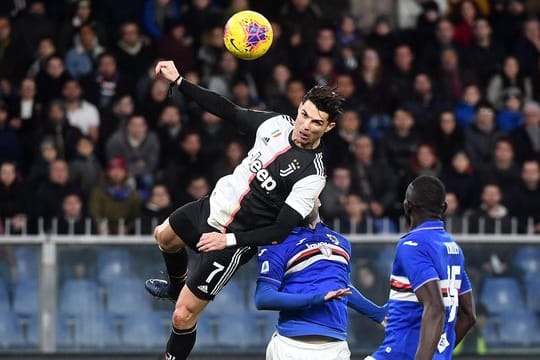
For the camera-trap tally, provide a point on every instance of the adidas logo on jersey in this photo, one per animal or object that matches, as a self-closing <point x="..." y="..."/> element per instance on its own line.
<point x="203" y="288"/>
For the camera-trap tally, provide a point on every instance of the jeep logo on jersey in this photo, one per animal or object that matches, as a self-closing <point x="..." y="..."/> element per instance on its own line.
<point x="256" y="167"/>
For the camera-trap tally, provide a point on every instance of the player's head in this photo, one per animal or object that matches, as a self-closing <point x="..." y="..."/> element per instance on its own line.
<point x="425" y="199"/>
<point x="317" y="114"/>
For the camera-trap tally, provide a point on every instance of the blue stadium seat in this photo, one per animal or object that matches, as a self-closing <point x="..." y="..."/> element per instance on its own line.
<point x="519" y="328"/>
<point x="26" y="298"/>
<point x="144" y="330"/>
<point x="4" y="298"/>
<point x="532" y="287"/>
<point x="125" y="296"/>
<point x="80" y="297"/>
<point x="490" y="331"/>
<point x="86" y="331"/>
<point x="10" y="331"/>
<point x="384" y="261"/>
<point x="527" y="259"/>
<point x="27" y="263"/>
<point x="31" y="331"/>
<point x="267" y="321"/>
<point x="113" y="264"/>
<point x="229" y="300"/>
<point x="206" y="332"/>
<point x="501" y="294"/>
<point x="240" y="330"/>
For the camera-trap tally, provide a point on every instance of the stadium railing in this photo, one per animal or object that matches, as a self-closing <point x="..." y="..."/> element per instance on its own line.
<point x="84" y="293"/>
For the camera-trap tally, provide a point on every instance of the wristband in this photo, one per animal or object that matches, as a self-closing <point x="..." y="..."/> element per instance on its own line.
<point x="172" y="84"/>
<point x="230" y="240"/>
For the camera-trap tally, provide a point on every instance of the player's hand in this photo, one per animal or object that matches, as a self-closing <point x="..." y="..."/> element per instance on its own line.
<point x="337" y="294"/>
<point x="212" y="241"/>
<point x="384" y="322"/>
<point x="167" y="70"/>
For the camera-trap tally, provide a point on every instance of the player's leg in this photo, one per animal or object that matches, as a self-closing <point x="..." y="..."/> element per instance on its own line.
<point x="184" y="332"/>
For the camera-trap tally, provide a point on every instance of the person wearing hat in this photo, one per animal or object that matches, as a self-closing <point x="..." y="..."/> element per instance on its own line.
<point x="114" y="204"/>
<point x="510" y="116"/>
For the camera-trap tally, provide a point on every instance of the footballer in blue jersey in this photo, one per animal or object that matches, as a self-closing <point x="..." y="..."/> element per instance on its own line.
<point x="306" y="278"/>
<point x="430" y="307"/>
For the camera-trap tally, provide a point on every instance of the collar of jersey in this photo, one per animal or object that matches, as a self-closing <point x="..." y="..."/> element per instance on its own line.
<point x="427" y="225"/>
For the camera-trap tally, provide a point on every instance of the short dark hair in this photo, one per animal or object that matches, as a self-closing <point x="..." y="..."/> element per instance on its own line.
<point x="326" y="99"/>
<point x="428" y="194"/>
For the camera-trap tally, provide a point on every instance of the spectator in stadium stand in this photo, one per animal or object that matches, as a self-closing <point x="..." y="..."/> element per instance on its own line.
<point x="210" y="51"/>
<point x="170" y="128"/>
<point x="56" y="127"/>
<point x="202" y="15"/>
<point x="156" y="13"/>
<point x="481" y="136"/>
<point x="324" y="73"/>
<point x="425" y="103"/>
<point x="430" y="53"/>
<point x="276" y="85"/>
<point x="527" y="48"/>
<point x="46" y="201"/>
<point x="339" y="145"/>
<point x="187" y="162"/>
<point x="177" y="46"/>
<point x="197" y="187"/>
<point x="503" y="170"/>
<point x="424" y="162"/>
<point x="452" y="77"/>
<point x="462" y="179"/>
<point x="526" y="137"/>
<point x="492" y="216"/>
<point x="525" y="197"/>
<point x="115" y="199"/>
<point x="303" y="17"/>
<point x="485" y="56"/>
<point x="426" y="25"/>
<point x="11" y="147"/>
<point x="81" y="16"/>
<point x="133" y="51"/>
<point x="215" y="134"/>
<point x="465" y="109"/>
<point x="242" y="96"/>
<point x="463" y="23"/>
<point x="13" y="206"/>
<point x="510" y="76"/>
<point x="85" y="170"/>
<point x="357" y="219"/>
<point x="510" y="116"/>
<point x="345" y="84"/>
<point x="33" y="25"/>
<point x="14" y="58"/>
<point x="453" y="216"/>
<point x="123" y="108"/>
<point x="156" y="209"/>
<point x="225" y="164"/>
<point x="382" y="38"/>
<point x="25" y="108"/>
<point x="39" y="168"/>
<point x="45" y="48"/>
<point x="288" y="104"/>
<point x="402" y="73"/>
<point x="348" y="34"/>
<point x="50" y="80"/>
<point x="335" y="192"/>
<point x="72" y="219"/>
<point x="140" y="149"/>
<point x="79" y="112"/>
<point x="102" y="86"/>
<point x="155" y="102"/>
<point x="447" y="137"/>
<point x="400" y="141"/>
<point x="373" y="180"/>
<point x="81" y="57"/>
<point x="228" y="69"/>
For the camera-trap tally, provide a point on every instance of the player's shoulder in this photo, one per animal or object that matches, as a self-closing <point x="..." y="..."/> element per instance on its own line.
<point x="277" y="121"/>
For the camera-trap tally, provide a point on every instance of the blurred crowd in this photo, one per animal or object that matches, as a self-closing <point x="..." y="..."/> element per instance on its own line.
<point x="91" y="140"/>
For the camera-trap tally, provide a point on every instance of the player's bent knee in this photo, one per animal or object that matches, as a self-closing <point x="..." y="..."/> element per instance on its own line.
<point x="183" y="318"/>
<point x="167" y="238"/>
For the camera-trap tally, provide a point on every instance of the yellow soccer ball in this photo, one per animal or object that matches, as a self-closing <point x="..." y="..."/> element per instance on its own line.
<point x="248" y="35"/>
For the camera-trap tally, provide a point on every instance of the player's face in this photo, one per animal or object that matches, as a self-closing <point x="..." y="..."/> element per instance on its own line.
<point x="310" y="125"/>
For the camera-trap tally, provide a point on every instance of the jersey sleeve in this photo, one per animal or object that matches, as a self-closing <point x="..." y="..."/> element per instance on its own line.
<point x="465" y="284"/>
<point x="271" y="264"/>
<point x="416" y="262"/>
<point x="304" y="193"/>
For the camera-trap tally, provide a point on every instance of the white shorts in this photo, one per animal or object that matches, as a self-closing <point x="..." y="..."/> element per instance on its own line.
<point x="284" y="348"/>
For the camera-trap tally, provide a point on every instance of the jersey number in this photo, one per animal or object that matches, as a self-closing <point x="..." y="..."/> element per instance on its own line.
<point x="219" y="268"/>
<point x="452" y="289"/>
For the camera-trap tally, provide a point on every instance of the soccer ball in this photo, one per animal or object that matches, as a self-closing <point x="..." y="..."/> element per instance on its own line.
<point x="248" y="35"/>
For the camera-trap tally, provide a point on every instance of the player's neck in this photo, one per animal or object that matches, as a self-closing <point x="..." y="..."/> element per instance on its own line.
<point x="308" y="146"/>
<point x="422" y="218"/>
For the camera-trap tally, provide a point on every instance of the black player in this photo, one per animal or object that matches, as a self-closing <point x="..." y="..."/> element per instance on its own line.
<point x="268" y="194"/>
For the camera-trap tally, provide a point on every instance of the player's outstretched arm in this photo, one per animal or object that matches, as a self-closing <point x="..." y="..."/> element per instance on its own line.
<point x="211" y="101"/>
<point x="466" y="317"/>
<point x="268" y="297"/>
<point x="433" y="316"/>
<point x="366" y="307"/>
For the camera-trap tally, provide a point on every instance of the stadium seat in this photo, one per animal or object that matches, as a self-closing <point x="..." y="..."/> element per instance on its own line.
<point x="26" y="298"/>
<point x="86" y="331"/>
<point x="144" y="330"/>
<point x="31" y="331"/>
<point x="80" y="297"/>
<point x="240" y="330"/>
<point x="501" y="294"/>
<point x="10" y="331"/>
<point x="124" y="295"/>
<point x="532" y="287"/>
<point x="229" y="300"/>
<point x="113" y="264"/>
<point x="527" y="260"/>
<point x="27" y="263"/>
<point x="4" y="298"/>
<point x="384" y="261"/>
<point x="267" y="321"/>
<point x="519" y="328"/>
<point x="206" y="332"/>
